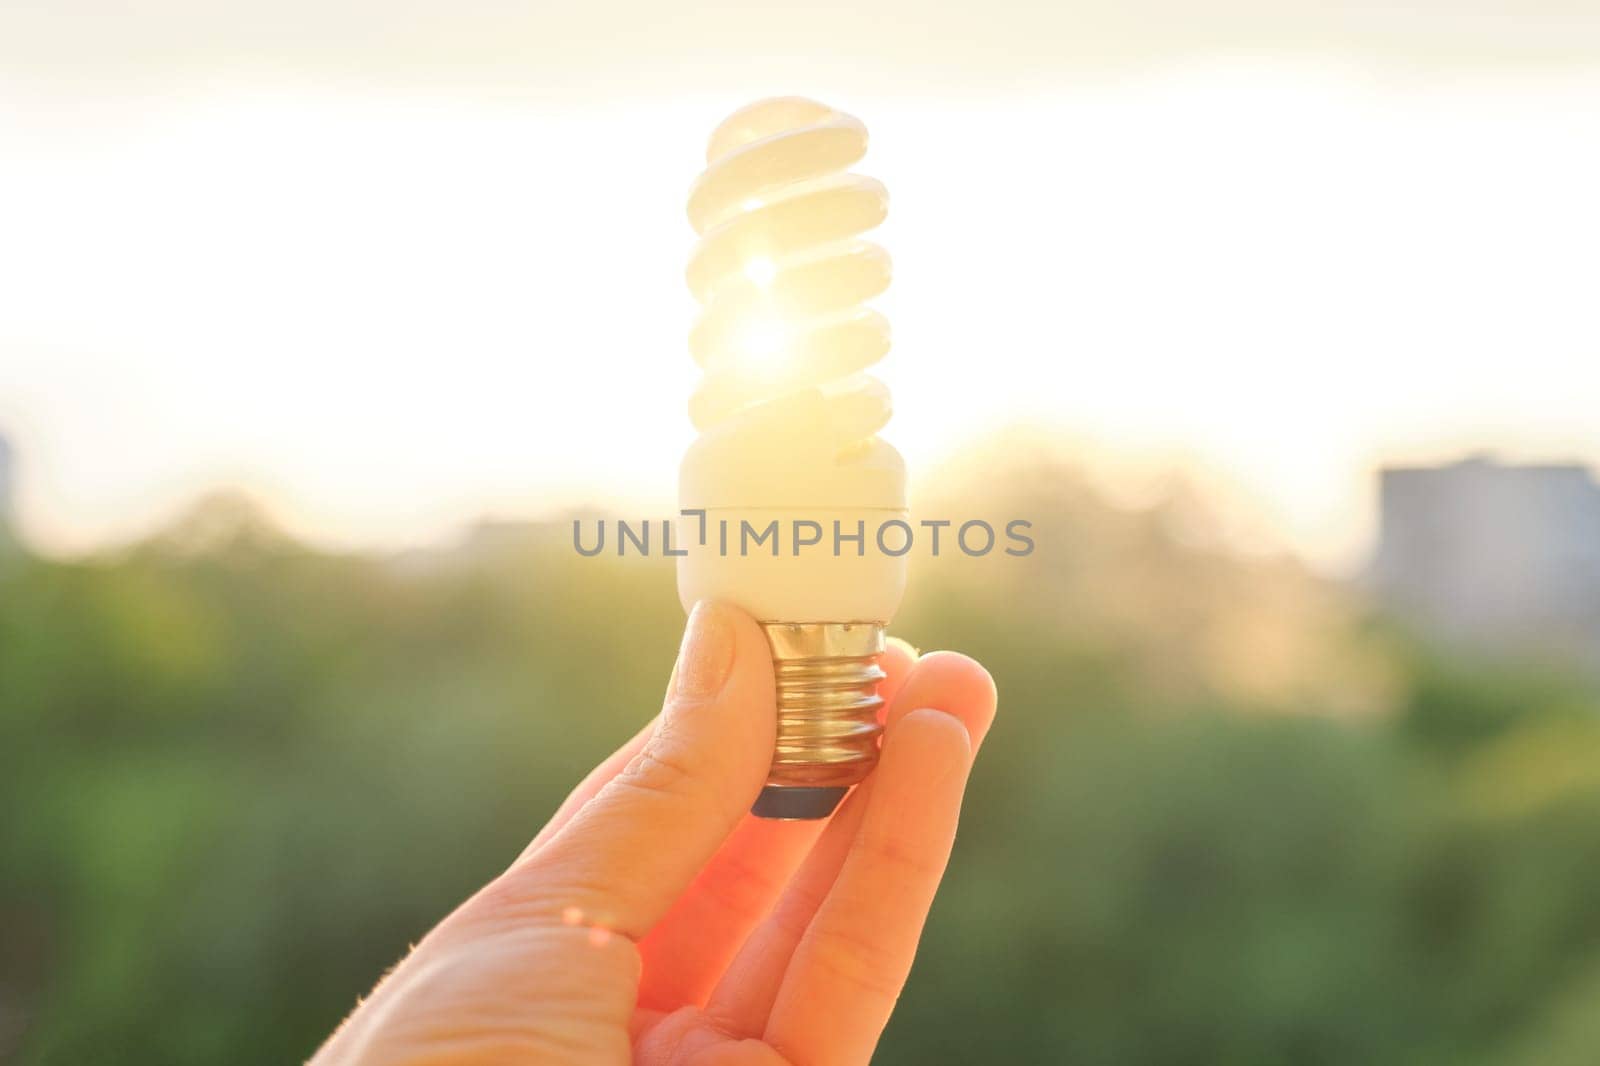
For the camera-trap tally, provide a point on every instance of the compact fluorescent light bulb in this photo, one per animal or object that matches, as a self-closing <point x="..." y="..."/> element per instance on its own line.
<point x="788" y="423"/>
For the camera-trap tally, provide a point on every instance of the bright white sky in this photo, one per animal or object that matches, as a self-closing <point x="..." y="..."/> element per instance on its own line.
<point x="392" y="312"/>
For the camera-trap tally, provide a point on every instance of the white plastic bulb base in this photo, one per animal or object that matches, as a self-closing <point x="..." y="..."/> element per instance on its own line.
<point x="824" y="616"/>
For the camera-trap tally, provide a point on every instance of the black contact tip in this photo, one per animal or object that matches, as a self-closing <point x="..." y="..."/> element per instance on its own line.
<point x="797" y="804"/>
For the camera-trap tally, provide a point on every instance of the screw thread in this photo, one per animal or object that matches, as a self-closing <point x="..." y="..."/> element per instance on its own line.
<point x="827" y="687"/>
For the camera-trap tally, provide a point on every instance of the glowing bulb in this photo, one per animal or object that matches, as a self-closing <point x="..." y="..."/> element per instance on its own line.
<point x="761" y="270"/>
<point x="762" y="346"/>
<point x="788" y="471"/>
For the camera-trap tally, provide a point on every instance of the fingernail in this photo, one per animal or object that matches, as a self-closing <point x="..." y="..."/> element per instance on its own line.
<point x="907" y="647"/>
<point x="707" y="652"/>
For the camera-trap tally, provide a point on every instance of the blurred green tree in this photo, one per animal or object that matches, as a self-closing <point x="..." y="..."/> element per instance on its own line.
<point x="1224" y="817"/>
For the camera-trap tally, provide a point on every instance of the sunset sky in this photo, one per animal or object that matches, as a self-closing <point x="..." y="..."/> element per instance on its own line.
<point x="398" y="267"/>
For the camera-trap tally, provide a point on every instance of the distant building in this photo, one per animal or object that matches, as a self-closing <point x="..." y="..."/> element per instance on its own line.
<point x="1499" y="555"/>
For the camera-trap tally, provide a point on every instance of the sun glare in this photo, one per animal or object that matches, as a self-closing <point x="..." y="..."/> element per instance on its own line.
<point x="121" y="411"/>
<point x="763" y="345"/>
<point x="761" y="270"/>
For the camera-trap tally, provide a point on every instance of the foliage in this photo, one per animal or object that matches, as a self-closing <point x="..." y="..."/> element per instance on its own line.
<point x="1221" y="819"/>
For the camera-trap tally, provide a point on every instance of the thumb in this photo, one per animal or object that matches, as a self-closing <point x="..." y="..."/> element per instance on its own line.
<point x="632" y="849"/>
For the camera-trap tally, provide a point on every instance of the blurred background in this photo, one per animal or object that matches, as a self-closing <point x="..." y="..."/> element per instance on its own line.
<point x="320" y="321"/>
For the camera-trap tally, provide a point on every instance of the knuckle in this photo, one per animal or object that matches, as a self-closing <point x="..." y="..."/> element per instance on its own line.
<point x="660" y="768"/>
<point x="664" y="769"/>
<point x="513" y="899"/>
<point x="855" y="956"/>
<point x="912" y="865"/>
<point x="742" y="888"/>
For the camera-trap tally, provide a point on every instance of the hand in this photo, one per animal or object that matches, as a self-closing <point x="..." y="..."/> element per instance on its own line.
<point x="655" y="921"/>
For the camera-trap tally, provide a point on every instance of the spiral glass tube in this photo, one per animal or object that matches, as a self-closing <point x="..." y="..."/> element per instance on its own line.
<point x="788" y="421"/>
<point x="781" y="272"/>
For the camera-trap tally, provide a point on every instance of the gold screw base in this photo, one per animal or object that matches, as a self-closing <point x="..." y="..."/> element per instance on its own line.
<point x="827" y="678"/>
